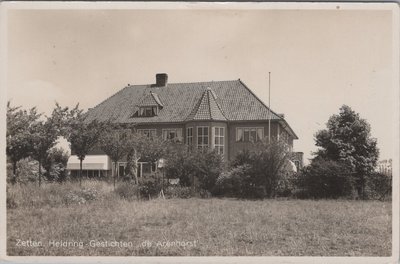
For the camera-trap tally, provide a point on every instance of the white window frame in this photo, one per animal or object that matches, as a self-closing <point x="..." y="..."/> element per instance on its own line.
<point x="189" y="138"/>
<point x="249" y="129"/>
<point x="150" y="132"/>
<point x="153" y="111"/>
<point x="203" y="136"/>
<point x="178" y="133"/>
<point x="220" y="146"/>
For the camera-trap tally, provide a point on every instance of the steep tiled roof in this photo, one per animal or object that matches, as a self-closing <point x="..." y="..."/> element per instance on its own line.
<point x="207" y="108"/>
<point x="216" y="100"/>
<point x="150" y="99"/>
<point x="236" y="101"/>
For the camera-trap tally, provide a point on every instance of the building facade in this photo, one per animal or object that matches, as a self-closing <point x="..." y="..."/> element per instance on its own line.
<point x="222" y="115"/>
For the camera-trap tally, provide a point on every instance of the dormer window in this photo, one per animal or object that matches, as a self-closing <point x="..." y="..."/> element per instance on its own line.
<point x="149" y="106"/>
<point x="148" y="111"/>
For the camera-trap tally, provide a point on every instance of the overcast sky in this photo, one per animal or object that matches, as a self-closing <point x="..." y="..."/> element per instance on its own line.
<point x="319" y="59"/>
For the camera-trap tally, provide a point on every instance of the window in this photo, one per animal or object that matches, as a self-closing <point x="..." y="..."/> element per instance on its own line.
<point x="172" y="134"/>
<point x="219" y="139"/>
<point x="249" y="134"/>
<point x="189" y="136"/>
<point x="148" y="111"/>
<point x="121" y="167"/>
<point x="152" y="133"/>
<point x="202" y="137"/>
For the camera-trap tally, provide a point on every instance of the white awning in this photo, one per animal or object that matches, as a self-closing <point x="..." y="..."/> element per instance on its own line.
<point x="91" y="162"/>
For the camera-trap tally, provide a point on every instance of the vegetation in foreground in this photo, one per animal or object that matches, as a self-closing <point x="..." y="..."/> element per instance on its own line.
<point x="95" y="213"/>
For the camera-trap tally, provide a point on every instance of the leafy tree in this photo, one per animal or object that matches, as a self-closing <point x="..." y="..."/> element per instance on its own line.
<point x="55" y="164"/>
<point x="46" y="132"/>
<point x="18" y="134"/>
<point x="143" y="147"/>
<point x="191" y="165"/>
<point x="325" y="179"/>
<point x="83" y="137"/>
<point x="113" y="143"/>
<point x="268" y="163"/>
<point x="347" y="139"/>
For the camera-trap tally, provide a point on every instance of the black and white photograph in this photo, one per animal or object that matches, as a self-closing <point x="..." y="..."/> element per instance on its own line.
<point x="267" y="130"/>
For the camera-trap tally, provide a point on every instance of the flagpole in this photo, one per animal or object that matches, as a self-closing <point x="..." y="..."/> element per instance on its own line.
<point x="269" y="107"/>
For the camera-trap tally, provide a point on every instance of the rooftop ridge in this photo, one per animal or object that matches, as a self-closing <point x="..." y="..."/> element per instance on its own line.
<point x="149" y="85"/>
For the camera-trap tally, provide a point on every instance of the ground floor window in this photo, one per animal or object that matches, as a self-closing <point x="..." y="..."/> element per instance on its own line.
<point x="202" y="137"/>
<point x="219" y="139"/>
<point x="152" y="133"/>
<point x="189" y="136"/>
<point x="89" y="173"/>
<point x="249" y="134"/>
<point x="172" y="133"/>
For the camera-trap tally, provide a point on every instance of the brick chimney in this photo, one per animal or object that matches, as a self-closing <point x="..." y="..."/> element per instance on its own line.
<point x="161" y="79"/>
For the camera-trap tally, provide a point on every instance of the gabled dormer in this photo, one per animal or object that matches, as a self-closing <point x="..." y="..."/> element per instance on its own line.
<point x="149" y="106"/>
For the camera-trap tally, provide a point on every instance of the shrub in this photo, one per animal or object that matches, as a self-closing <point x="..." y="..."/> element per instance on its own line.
<point x="267" y="168"/>
<point x="194" y="167"/>
<point x="325" y="179"/>
<point x="81" y="196"/>
<point x="178" y="192"/>
<point x="127" y="191"/>
<point x="150" y="186"/>
<point x="378" y="186"/>
<point x="239" y="182"/>
<point x="286" y="184"/>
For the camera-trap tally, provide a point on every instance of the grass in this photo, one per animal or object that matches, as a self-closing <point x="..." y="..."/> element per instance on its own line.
<point x="192" y="227"/>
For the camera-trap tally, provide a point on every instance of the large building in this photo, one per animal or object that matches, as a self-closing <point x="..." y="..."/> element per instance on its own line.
<point x="222" y="115"/>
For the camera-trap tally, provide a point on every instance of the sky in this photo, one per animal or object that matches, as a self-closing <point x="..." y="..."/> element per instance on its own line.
<point x="318" y="59"/>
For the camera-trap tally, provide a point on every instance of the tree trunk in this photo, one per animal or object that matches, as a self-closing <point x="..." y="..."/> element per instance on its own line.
<point x="40" y="172"/>
<point x="135" y="167"/>
<point x="80" y="172"/>
<point x="115" y="171"/>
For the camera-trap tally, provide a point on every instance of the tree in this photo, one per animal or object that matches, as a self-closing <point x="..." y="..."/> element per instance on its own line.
<point x="83" y="137"/>
<point x="347" y="139"/>
<point x="325" y="179"/>
<point x="113" y="143"/>
<point x="190" y="165"/>
<point x="46" y="132"/>
<point x="140" y="146"/>
<point x="268" y="163"/>
<point x="55" y="164"/>
<point x="18" y="134"/>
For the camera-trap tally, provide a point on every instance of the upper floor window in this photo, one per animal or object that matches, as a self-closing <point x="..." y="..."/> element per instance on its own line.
<point x="172" y="134"/>
<point x="249" y="134"/>
<point x="202" y="137"/>
<point x="219" y="139"/>
<point x="189" y="136"/>
<point x="148" y="111"/>
<point x="152" y="133"/>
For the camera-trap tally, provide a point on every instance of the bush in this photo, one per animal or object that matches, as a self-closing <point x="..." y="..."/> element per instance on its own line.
<point x="286" y="185"/>
<point x="150" y="186"/>
<point x="378" y="186"/>
<point x="81" y="196"/>
<point x="178" y="192"/>
<point x="239" y="182"/>
<point x="128" y="191"/>
<point x="325" y="179"/>
<point x="195" y="167"/>
<point x="266" y="171"/>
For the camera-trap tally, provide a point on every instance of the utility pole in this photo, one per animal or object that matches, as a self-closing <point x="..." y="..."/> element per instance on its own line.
<point x="269" y="107"/>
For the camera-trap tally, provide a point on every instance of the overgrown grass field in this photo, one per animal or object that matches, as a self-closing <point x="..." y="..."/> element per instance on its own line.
<point x="94" y="214"/>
